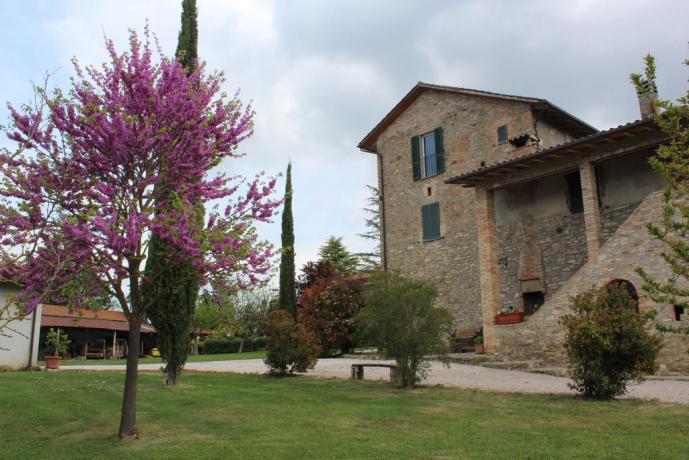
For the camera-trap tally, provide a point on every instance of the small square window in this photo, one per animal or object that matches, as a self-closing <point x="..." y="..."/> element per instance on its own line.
<point x="502" y="134"/>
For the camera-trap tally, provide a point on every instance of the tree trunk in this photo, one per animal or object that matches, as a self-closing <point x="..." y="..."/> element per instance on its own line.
<point x="128" y="418"/>
<point x="195" y="352"/>
<point x="172" y="375"/>
<point x="241" y="345"/>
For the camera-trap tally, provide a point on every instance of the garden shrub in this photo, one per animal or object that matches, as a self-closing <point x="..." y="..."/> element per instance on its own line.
<point x="218" y="345"/>
<point x="291" y="347"/>
<point x="327" y="308"/>
<point x="311" y="271"/>
<point x="259" y="343"/>
<point x="607" y="342"/>
<point x="401" y="320"/>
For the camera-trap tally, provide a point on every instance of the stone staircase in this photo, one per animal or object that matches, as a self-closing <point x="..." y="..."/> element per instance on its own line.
<point x="536" y="344"/>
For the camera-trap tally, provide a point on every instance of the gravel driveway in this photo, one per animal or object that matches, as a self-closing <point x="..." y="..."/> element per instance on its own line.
<point x="457" y="375"/>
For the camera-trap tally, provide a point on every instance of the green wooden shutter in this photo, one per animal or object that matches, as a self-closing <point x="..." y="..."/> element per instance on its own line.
<point x="430" y="221"/>
<point x="435" y="220"/>
<point x="425" y="225"/>
<point x="439" y="151"/>
<point x="415" y="158"/>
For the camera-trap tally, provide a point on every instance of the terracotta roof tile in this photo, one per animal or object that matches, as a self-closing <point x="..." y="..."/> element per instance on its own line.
<point x="583" y="140"/>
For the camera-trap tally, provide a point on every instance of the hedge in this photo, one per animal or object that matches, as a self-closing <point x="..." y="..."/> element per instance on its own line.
<point x="216" y="346"/>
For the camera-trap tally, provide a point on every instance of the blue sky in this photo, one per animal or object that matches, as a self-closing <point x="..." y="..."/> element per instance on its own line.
<point x="321" y="74"/>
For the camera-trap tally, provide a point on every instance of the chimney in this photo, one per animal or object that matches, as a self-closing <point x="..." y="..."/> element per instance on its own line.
<point x="647" y="93"/>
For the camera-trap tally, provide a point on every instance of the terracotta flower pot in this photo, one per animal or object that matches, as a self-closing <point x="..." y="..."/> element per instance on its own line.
<point x="510" y="318"/>
<point x="52" y="362"/>
<point x="478" y="349"/>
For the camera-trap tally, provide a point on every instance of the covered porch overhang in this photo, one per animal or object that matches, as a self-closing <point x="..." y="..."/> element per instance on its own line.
<point x="622" y="140"/>
<point x="580" y="155"/>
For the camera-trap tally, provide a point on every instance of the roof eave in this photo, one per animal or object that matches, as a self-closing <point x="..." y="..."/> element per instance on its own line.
<point x="367" y="144"/>
<point x="474" y="178"/>
<point x="571" y="119"/>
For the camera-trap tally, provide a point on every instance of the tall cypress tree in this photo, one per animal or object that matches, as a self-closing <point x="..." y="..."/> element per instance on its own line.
<point x="172" y="287"/>
<point x="288" y="291"/>
<point x="187" y="41"/>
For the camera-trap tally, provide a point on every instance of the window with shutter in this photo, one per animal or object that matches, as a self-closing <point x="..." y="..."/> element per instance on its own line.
<point x="439" y="151"/>
<point x="430" y="221"/>
<point x="415" y="158"/>
<point x="428" y="154"/>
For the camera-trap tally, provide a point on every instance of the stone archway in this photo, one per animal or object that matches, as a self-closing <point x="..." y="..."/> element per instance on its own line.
<point x="627" y="286"/>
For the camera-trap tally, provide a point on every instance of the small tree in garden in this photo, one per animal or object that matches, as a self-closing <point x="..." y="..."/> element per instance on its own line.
<point x="671" y="162"/>
<point x="607" y="342"/>
<point x="291" y="347"/>
<point x="327" y="308"/>
<point x="401" y="320"/>
<point x="335" y="252"/>
<point x="56" y="342"/>
<point x="252" y="307"/>
<point x="370" y="261"/>
<point x="312" y="271"/>
<point x="80" y="194"/>
<point x="215" y="312"/>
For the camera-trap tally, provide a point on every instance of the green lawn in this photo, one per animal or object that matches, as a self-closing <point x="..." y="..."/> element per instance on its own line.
<point x="191" y="359"/>
<point x="75" y="415"/>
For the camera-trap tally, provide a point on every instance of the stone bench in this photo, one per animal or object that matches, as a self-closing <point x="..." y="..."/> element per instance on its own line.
<point x="358" y="370"/>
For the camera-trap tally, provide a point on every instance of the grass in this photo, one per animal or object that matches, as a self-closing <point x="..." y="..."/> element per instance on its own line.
<point x="190" y="359"/>
<point x="76" y="414"/>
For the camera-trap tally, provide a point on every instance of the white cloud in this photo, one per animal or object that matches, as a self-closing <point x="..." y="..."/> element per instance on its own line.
<point x="322" y="74"/>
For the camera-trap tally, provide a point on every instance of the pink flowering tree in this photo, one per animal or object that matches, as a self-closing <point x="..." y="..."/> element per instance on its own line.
<point x="79" y="193"/>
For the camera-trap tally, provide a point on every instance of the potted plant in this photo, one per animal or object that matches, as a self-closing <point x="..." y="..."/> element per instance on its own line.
<point x="478" y="345"/>
<point x="56" y="342"/>
<point x="509" y="315"/>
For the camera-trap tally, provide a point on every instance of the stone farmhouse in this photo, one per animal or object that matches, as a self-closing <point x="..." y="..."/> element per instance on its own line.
<point x="511" y="204"/>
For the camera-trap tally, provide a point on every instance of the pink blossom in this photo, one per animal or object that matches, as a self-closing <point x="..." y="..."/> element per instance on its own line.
<point x="87" y="185"/>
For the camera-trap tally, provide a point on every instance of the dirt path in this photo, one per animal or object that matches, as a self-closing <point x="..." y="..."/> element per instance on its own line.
<point x="457" y="375"/>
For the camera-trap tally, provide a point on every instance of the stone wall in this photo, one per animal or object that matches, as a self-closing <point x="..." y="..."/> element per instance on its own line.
<point x="470" y="136"/>
<point x="612" y="219"/>
<point x="673" y="356"/>
<point x="561" y="241"/>
<point x="535" y="225"/>
<point x="541" y="337"/>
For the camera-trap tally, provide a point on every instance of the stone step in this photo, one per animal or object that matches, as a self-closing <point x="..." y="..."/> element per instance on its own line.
<point x="679" y="377"/>
<point x="554" y="371"/>
<point x="471" y="358"/>
<point x="509" y="365"/>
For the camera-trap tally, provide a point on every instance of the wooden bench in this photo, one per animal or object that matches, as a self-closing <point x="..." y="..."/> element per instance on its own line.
<point x="358" y="370"/>
<point x="463" y="340"/>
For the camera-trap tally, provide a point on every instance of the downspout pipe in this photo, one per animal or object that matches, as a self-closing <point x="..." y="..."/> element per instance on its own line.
<point x="381" y="199"/>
